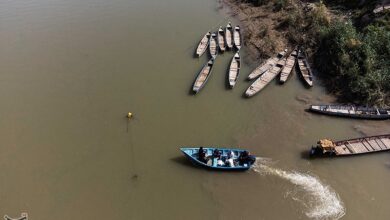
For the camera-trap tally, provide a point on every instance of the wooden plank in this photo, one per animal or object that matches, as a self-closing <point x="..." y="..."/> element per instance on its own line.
<point x="386" y="141"/>
<point x="350" y="148"/>
<point x="342" y="150"/>
<point x="373" y="143"/>
<point x="376" y="147"/>
<point x="367" y="148"/>
<point x="360" y="148"/>
<point x="381" y="144"/>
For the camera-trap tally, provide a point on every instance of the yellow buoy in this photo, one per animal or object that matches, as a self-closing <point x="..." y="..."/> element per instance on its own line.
<point x="129" y="115"/>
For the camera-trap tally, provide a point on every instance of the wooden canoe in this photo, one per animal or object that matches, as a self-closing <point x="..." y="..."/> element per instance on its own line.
<point x="237" y="37"/>
<point x="288" y="67"/>
<point x="304" y="68"/>
<point x="192" y="155"/>
<point x="268" y="64"/>
<point x="213" y="46"/>
<point x="202" y="46"/>
<point x="203" y="75"/>
<point x="221" y="40"/>
<point x="234" y="69"/>
<point x="228" y="36"/>
<point x="351" y="111"/>
<point x="356" y="146"/>
<point x="264" y="79"/>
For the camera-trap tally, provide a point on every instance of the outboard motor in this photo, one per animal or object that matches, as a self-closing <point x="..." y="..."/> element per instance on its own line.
<point x="314" y="151"/>
<point x="251" y="159"/>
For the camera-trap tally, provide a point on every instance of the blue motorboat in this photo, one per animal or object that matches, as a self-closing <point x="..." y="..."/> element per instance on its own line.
<point x="227" y="159"/>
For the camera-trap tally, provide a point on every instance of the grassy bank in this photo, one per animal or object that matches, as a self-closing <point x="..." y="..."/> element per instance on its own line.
<point x="348" y="44"/>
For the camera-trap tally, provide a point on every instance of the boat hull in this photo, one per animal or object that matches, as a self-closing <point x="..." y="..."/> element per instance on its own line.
<point x="190" y="154"/>
<point x="356" y="116"/>
<point x="353" y="147"/>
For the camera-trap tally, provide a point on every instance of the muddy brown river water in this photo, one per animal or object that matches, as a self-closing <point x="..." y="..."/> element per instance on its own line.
<point x="71" y="70"/>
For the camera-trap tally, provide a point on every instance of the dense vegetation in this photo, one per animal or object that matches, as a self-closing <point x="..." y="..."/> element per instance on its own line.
<point x="350" y="46"/>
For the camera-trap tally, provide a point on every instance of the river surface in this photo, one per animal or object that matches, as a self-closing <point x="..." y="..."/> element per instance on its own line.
<point x="71" y="70"/>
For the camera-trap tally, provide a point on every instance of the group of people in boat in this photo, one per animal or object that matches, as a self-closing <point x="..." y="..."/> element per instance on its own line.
<point x="229" y="160"/>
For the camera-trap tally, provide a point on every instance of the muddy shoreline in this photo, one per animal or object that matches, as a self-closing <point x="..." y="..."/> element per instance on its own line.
<point x="263" y="34"/>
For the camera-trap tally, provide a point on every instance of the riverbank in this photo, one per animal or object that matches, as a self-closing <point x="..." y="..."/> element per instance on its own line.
<point x="348" y="42"/>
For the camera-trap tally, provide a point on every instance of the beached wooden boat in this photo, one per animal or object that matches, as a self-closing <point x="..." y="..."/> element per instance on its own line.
<point x="203" y="75"/>
<point x="221" y="40"/>
<point x="228" y="36"/>
<point x="264" y="79"/>
<point x="268" y="64"/>
<point x="237" y="37"/>
<point x="371" y="144"/>
<point x="352" y="111"/>
<point x="214" y="163"/>
<point x="213" y="46"/>
<point x="288" y="67"/>
<point x="202" y="46"/>
<point x="234" y="69"/>
<point x="304" y="68"/>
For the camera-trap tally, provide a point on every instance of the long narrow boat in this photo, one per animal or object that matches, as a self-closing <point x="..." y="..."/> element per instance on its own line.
<point x="203" y="75"/>
<point x="234" y="69"/>
<point x="356" y="146"/>
<point x="202" y="46"/>
<point x="228" y="36"/>
<point x="351" y="111"/>
<point x="212" y="163"/>
<point x="304" y="68"/>
<point x="213" y="46"/>
<point x="221" y="40"/>
<point x="287" y="69"/>
<point x="264" y="79"/>
<point x="268" y="64"/>
<point x="237" y="37"/>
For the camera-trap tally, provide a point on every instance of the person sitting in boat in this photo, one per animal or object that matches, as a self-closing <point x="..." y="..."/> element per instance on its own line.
<point x="217" y="158"/>
<point x="230" y="159"/>
<point x="245" y="158"/>
<point x="202" y="155"/>
<point x="217" y="154"/>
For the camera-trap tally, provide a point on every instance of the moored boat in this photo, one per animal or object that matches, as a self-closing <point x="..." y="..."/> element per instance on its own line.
<point x="352" y="111"/>
<point x="288" y="67"/>
<point x="213" y="46"/>
<point x="304" y="68"/>
<point x="202" y="46"/>
<point x="234" y="69"/>
<point x="268" y="64"/>
<point x="203" y="76"/>
<point x="237" y="37"/>
<point x="371" y="144"/>
<point x="264" y="79"/>
<point x="221" y="158"/>
<point x="221" y="40"/>
<point x="228" y="36"/>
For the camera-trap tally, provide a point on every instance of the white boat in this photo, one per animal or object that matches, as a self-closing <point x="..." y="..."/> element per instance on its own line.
<point x="288" y="67"/>
<point x="234" y="69"/>
<point x="264" y="79"/>
<point x="228" y="36"/>
<point x="268" y="64"/>
<point x="203" y="76"/>
<point x="304" y="68"/>
<point x="202" y="46"/>
<point x="237" y="37"/>
<point x="221" y="40"/>
<point x="213" y="46"/>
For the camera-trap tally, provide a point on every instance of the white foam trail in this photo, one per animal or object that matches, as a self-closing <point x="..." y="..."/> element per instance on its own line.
<point x="320" y="200"/>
